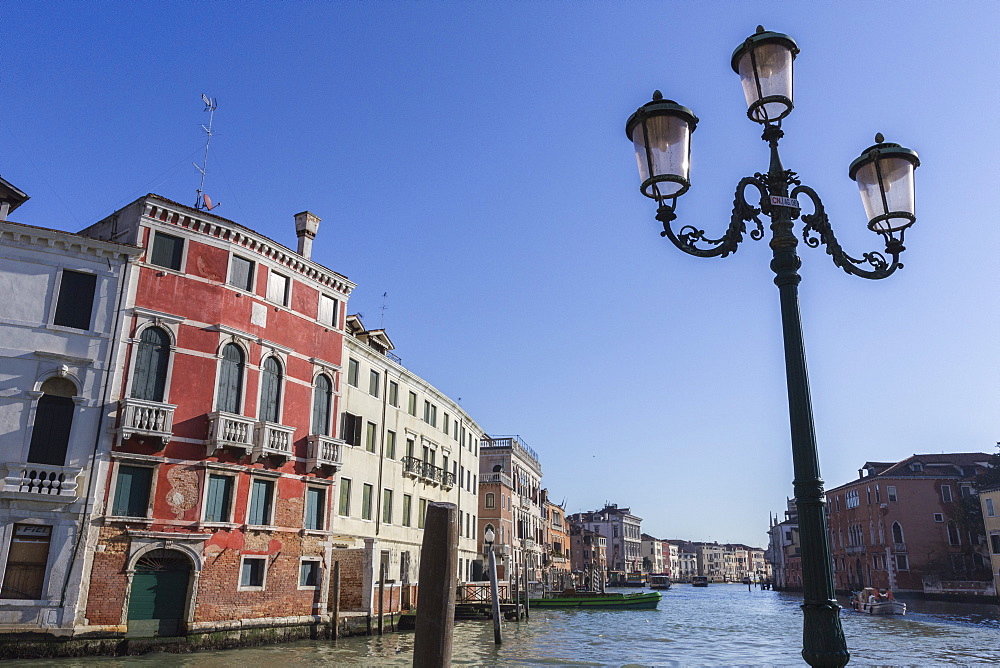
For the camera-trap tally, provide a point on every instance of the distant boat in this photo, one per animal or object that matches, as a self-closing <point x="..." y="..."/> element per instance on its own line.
<point x="871" y="602"/>
<point x="699" y="581"/>
<point x="659" y="582"/>
<point x="596" y="600"/>
<point x="747" y="580"/>
<point x="635" y="580"/>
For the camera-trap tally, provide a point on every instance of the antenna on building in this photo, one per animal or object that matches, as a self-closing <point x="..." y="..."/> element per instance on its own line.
<point x="381" y="324"/>
<point x="203" y="201"/>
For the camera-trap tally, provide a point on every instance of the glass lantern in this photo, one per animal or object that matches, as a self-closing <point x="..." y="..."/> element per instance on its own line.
<point x="764" y="63"/>
<point x="661" y="131"/>
<point x="884" y="174"/>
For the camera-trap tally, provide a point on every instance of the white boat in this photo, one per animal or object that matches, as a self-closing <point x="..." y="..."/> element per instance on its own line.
<point x="872" y="602"/>
<point x="659" y="582"/>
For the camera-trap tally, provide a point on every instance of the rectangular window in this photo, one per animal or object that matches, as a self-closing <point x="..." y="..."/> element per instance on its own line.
<point x="421" y="513"/>
<point x="995" y="543"/>
<point x="387" y="506"/>
<point x="446" y="423"/>
<point x="965" y="491"/>
<point x="946" y="493"/>
<point x="132" y="491"/>
<point x="890" y="493"/>
<point x="434" y="415"/>
<point x="277" y="288"/>
<point x="409" y="447"/>
<point x="938" y="517"/>
<point x="351" y="429"/>
<point x="390" y="444"/>
<point x="345" y="497"/>
<point x="878" y="495"/>
<point x="241" y="273"/>
<point x="366" y="501"/>
<point x="27" y="559"/>
<point x="490" y="500"/>
<point x="327" y="311"/>
<point x="411" y="406"/>
<point x="427" y="411"/>
<point x="309" y="573"/>
<point x="373" y="381"/>
<point x="261" y="493"/>
<point x="353" y="371"/>
<point x="76" y="300"/>
<point x="167" y="250"/>
<point x="407" y="502"/>
<point x="901" y="563"/>
<point x="394" y="393"/>
<point x="853" y="498"/>
<point x="252" y="571"/>
<point x="989" y="508"/>
<point x="219" y="497"/>
<point x="315" y="509"/>
<point x="370" y="436"/>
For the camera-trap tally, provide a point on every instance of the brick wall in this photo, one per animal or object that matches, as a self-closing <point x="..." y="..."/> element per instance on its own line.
<point x="352" y="563"/>
<point x="108" y="581"/>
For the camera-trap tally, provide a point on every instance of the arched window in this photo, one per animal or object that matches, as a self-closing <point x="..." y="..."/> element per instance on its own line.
<point x="231" y="379"/>
<point x="953" y="536"/>
<point x="152" y="355"/>
<point x="270" y="389"/>
<point x="490" y="500"/>
<point x="897" y="533"/>
<point x="322" y="399"/>
<point x="53" y="421"/>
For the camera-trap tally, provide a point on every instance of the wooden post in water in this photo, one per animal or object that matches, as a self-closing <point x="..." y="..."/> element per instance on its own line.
<point x="495" y="591"/>
<point x="381" y="595"/>
<point x="336" y="600"/>
<point x="517" y="592"/>
<point x="434" y="632"/>
<point x="526" y="594"/>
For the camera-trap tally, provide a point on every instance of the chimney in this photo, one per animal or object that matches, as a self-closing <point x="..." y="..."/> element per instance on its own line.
<point x="306" y="226"/>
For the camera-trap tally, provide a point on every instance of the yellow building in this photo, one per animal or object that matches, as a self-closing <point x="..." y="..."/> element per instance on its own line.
<point x="990" y="500"/>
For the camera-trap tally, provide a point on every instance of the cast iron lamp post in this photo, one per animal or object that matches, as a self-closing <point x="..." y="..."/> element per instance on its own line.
<point x="661" y="132"/>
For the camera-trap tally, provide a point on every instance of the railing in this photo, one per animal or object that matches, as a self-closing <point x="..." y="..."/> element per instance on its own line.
<point x="447" y="479"/>
<point x="146" y="418"/>
<point x="323" y="451"/>
<point x="529" y="544"/>
<point x="899" y="547"/>
<point x="512" y="442"/>
<point x="482" y="593"/>
<point x="495" y="478"/>
<point x="273" y="439"/>
<point x="41" y="482"/>
<point x="227" y="430"/>
<point x="431" y="473"/>
<point x="413" y="466"/>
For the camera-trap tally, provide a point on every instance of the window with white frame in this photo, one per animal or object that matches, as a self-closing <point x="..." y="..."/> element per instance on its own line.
<point x="946" y="493"/>
<point x="261" y="502"/>
<point x="75" y="303"/>
<point x="367" y="491"/>
<point x="53" y="422"/>
<point x="309" y="573"/>
<point x="315" y="518"/>
<point x="390" y="444"/>
<point x="219" y="497"/>
<point x="353" y="371"/>
<point x="270" y="390"/>
<point x="938" y="517"/>
<point x="327" y="310"/>
<point x="133" y="485"/>
<point x="241" y="273"/>
<point x="373" y="382"/>
<point x="152" y="357"/>
<point x="253" y="572"/>
<point x="167" y="251"/>
<point x="890" y="493"/>
<point x="231" y="370"/>
<point x="387" y="506"/>
<point x="322" y="403"/>
<point x="27" y="560"/>
<point x="277" y="288"/>
<point x="989" y="507"/>
<point x="852" y="498"/>
<point x="394" y="394"/>
<point x="407" y="509"/>
<point x="345" y="497"/>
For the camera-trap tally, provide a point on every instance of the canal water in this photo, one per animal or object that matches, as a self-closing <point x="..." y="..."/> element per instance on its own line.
<point x="717" y="625"/>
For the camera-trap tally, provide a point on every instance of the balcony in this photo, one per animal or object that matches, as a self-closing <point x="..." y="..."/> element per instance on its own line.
<point x="899" y="547"/>
<point x="412" y="466"/>
<point x="495" y="478"/>
<point x="40" y="482"/>
<point x="146" y="418"/>
<point x="272" y="440"/>
<point x="431" y="473"/>
<point x="226" y="430"/>
<point x="324" y="451"/>
<point x="447" y="479"/>
<point x="855" y="549"/>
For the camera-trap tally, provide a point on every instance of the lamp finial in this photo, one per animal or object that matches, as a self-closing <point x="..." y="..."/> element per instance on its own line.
<point x="879" y="138"/>
<point x="657" y="96"/>
<point x="760" y="29"/>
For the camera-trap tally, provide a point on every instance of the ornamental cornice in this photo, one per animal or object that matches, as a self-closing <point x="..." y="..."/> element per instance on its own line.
<point x="28" y="235"/>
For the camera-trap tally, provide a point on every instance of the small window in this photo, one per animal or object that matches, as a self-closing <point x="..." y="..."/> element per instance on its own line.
<point x="218" y="498"/>
<point x="427" y="411"/>
<point x="351" y="429"/>
<point x="394" y="393"/>
<point x="995" y="543"/>
<point x="890" y="492"/>
<point x="371" y="436"/>
<point x="366" y="501"/>
<point x="946" y="493"/>
<point x="373" y="382"/>
<point x="277" y="288"/>
<point x="309" y="573"/>
<point x="27" y="560"/>
<point x="421" y="513"/>
<point x="261" y="500"/>
<point x="167" y="251"/>
<point x="916" y="466"/>
<point x="132" y="487"/>
<point x="315" y="509"/>
<point x="322" y="400"/>
<point x="490" y="500"/>
<point x="352" y="372"/>
<point x="409" y="447"/>
<point x="76" y="300"/>
<point x="434" y="415"/>
<point x="252" y="572"/>
<point x="231" y="379"/>
<point x="387" y="506"/>
<point x="390" y="445"/>
<point x="966" y="491"/>
<point x="446" y="423"/>
<point x="407" y="503"/>
<point x="989" y="508"/>
<point x="954" y="537"/>
<point x="345" y="497"/>
<point x="241" y="273"/>
<point x="938" y="517"/>
<point x="411" y="406"/>
<point x="327" y="310"/>
<point x="53" y="422"/>
<point x="270" y="390"/>
<point x="149" y="378"/>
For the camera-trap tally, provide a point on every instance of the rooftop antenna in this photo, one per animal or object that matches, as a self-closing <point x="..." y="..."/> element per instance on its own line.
<point x="203" y="201"/>
<point x="384" y="307"/>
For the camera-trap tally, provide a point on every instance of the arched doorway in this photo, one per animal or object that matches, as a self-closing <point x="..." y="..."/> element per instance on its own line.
<point x="159" y="594"/>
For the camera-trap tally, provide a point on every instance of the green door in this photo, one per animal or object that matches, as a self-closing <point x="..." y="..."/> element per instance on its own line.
<point x="159" y="594"/>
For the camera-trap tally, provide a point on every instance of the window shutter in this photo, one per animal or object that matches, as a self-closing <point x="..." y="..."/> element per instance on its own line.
<point x="314" y="508"/>
<point x="150" y="377"/>
<point x="220" y="489"/>
<point x="231" y="379"/>
<point x="50" y="435"/>
<point x="132" y="492"/>
<point x="76" y="300"/>
<point x="270" y="389"/>
<point x="321" y="406"/>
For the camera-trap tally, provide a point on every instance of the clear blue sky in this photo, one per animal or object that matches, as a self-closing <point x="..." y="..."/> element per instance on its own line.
<point x="470" y="160"/>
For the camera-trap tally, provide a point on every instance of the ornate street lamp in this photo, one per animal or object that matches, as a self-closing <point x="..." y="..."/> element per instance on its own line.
<point x="661" y="132"/>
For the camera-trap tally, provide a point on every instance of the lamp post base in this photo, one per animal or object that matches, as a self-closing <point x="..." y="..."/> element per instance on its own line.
<point x="823" y="642"/>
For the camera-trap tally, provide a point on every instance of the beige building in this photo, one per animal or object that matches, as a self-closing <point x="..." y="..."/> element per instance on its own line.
<point x="652" y="555"/>
<point x="989" y="499"/>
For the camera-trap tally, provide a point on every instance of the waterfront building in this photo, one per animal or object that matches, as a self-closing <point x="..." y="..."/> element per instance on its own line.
<point x="906" y="526"/>
<point x="406" y="445"/>
<point x="652" y="555"/>
<point x="59" y="347"/>
<point x="558" y="559"/>
<point x="623" y="532"/>
<point x="989" y="499"/>
<point x="687" y="560"/>
<point x="589" y="556"/>
<point x="783" y="553"/>
<point x="711" y="561"/>
<point x="671" y="560"/>
<point x="511" y="502"/>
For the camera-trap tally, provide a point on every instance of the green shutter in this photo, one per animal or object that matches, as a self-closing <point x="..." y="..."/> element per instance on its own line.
<point x="231" y="379"/>
<point x="270" y="390"/>
<point x="150" y="376"/>
<point x="132" y="491"/>
<point x="217" y="501"/>
<point x="314" y="508"/>
<point x="260" y="502"/>
<point x="321" y="406"/>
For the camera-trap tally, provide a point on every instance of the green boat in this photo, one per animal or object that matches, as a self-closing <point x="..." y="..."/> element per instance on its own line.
<point x="597" y="600"/>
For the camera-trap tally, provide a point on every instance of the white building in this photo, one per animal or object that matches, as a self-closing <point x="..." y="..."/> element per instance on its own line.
<point x="652" y="555"/>
<point x="59" y="344"/>
<point x="407" y="445"/>
<point x="624" y="534"/>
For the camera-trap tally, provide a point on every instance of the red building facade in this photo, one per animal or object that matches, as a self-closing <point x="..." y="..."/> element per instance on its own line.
<point x="220" y="484"/>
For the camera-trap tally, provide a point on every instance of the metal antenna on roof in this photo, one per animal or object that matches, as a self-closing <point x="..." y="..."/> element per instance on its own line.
<point x="384" y="307"/>
<point x="203" y="201"/>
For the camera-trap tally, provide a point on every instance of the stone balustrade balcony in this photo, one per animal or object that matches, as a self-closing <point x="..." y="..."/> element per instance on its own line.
<point x="324" y="451"/>
<point x="899" y="547"/>
<point x="228" y="430"/>
<point x="40" y="482"/>
<point x="495" y="478"/>
<point x="146" y="418"/>
<point x="272" y="440"/>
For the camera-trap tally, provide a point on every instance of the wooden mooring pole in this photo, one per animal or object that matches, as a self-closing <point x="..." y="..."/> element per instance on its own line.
<point x="495" y="591"/>
<point x="526" y="617"/>
<point x="336" y="600"/>
<point x="434" y="631"/>
<point x="381" y="595"/>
